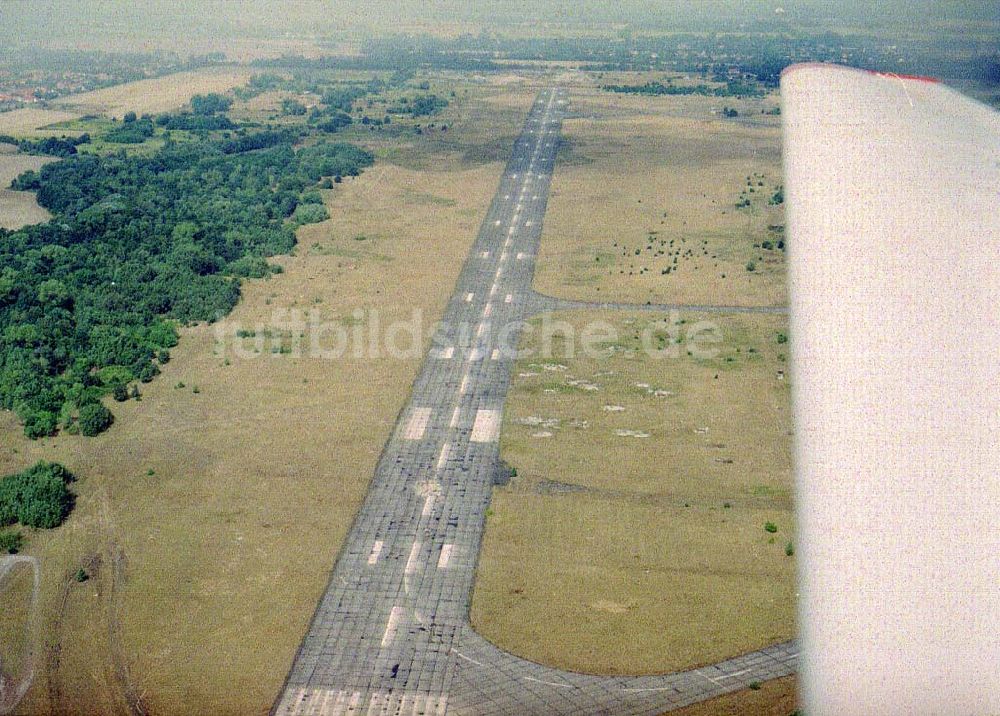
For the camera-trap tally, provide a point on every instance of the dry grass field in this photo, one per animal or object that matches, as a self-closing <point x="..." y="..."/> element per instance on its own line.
<point x="22" y="122"/>
<point x="644" y="196"/>
<point x="16" y="628"/>
<point x="774" y="698"/>
<point x="633" y="538"/>
<point x="18" y="208"/>
<point x="160" y="94"/>
<point x="210" y="514"/>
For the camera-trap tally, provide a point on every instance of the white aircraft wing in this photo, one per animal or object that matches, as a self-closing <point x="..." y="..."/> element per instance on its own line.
<point x="893" y="200"/>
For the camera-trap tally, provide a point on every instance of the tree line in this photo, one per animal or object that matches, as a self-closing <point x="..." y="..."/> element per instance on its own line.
<point x="89" y="301"/>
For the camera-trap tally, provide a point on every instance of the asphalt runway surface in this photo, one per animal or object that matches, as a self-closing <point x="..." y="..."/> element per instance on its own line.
<point x="392" y="634"/>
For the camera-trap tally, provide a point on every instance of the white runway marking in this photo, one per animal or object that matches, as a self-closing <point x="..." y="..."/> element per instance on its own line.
<point x="445" y="557"/>
<point x="446" y="353"/>
<point x="468" y="297"/>
<point x="392" y="627"/>
<point x="508" y="298"/>
<point x="520" y="256"/>
<point x="486" y="428"/>
<point x="498" y="222"/>
<point x="454" y="417"/>
<point x="527" y="223"/>
<point x="488" y="310"/>
<point x="445" y="451"/>
<point x="411" y="562"/>
<point x="465" y="384"/>
<point x="496" y="354"/>
<point x="486" y="254"/>
<point x="376" y="552"/>
<point x="418" y="423"/>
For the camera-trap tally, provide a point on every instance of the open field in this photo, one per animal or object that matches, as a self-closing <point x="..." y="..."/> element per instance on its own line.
<point x="210" y="514"/>
<point x="632" y="539"/>
<point x="22" y="122"/>
<point x="160" y="94"/>
<point x="644" y="198"/>
<point x="18" y="208"/>
<point x="16" y="628"/>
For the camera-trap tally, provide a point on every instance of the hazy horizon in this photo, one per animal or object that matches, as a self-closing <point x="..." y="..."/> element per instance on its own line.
<point x="189" y="26"/>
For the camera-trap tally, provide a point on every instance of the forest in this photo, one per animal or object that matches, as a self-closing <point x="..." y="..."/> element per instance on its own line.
<point x="89" y="302"/>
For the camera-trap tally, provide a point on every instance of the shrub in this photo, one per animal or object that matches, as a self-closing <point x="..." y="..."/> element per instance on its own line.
<point x="250" y="267"/>
<point x="40" y="424"/>
<point x="95" y="419"/>
<point x="770" y="527"/>
<point x="81" y="575"/>
<point x="36" y="497"/>
<point x="751" y="266"/>
<point x="147" y="372"/>
<point x="310" y="214"/>
<point x="789" y="549"/>
<point x="10" y="542"/>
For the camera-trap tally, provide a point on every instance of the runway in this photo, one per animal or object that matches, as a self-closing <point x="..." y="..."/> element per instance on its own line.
<point x="391" y="634"/>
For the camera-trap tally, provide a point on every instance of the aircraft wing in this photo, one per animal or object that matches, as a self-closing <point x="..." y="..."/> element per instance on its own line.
<point x="893" y="207"/>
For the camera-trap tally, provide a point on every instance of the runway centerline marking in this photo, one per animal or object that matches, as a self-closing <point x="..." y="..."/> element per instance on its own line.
<point x="392" y="626"/>
<point x="445" y="557"/>
<point x="411" y="562"/>
<point x="445" y="451"/>
<point x="376" y="552"/>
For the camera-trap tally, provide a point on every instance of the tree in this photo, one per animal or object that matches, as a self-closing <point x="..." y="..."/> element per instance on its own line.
<point x="95" y="419"/>
<point x="120" y="392"/>
<point x="138" y="243"/>
<point x="210" y="103"/>
<point x="36" y="497"/>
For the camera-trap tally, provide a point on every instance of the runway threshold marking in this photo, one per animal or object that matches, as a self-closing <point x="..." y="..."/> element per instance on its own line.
<point x="418" y="423"/>
<point x="376" y="552"/>
<point x="486" y="428"/>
